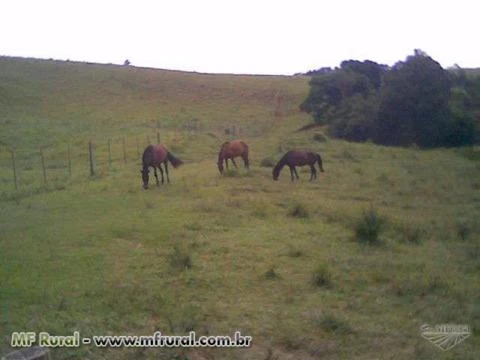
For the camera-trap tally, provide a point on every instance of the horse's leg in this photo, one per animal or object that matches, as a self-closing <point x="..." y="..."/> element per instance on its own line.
<point x="291" y="172"/>
<point x="161" y="172"/>
<point x="156" y="176"/>
<point x="226" y="163"/>
<point x="313" y="174"/>
<point x="234" y="163"/>
<point x="245" y="160"/>
<point x="295" y="171"/>
<point x="166" y="170"/>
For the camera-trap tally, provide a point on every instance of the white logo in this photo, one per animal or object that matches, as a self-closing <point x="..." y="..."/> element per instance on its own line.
<point x="445" y="336"/>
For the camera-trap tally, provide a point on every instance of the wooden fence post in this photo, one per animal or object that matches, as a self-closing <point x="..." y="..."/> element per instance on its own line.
<point x="14" y="170"/>
<point x="43" y="167"/>
<point x="91" y="158"/>
<point x="69" y="155"/>
<point x="124" y="151"/>
<point x="109" y="152"/>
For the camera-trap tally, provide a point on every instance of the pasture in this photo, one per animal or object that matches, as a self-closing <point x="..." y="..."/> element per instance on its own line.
<point x="213" y="253"/>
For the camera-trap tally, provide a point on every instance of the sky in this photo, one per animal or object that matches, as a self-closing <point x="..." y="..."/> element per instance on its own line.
<point x="242" y="37"/>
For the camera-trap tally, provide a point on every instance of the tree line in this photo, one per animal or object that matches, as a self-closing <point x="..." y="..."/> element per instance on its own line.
<point x="415" y="101"/>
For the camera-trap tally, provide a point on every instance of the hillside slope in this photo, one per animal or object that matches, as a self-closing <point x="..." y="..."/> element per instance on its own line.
<point x="279" y="261"/>
<point x="42" y="101"/>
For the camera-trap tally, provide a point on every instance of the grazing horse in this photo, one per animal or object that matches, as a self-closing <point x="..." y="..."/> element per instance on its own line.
<point x="231" y="150"/>
<point x="155" y="156"/>
<point x="298" y="158"/>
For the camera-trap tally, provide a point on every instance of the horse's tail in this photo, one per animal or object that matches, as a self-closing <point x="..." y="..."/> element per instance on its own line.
<point x="319" y="159"/>
<point x="176" y="162"/>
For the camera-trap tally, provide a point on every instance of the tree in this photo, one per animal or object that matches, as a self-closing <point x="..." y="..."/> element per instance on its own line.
<point x="355" y="119"/>
<point x="329" y="89"/>
<point x="465" y="108"/>
<point x="414" y="105"/>
<point x="414" y="102"/>
<point x="373" y="71"/>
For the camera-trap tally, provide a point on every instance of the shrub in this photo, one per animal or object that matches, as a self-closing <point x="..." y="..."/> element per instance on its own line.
<point x="368" y="227"/>
<point x="321" y="276"/>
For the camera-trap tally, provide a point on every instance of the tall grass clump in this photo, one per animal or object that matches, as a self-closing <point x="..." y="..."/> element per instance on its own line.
<point x="368" y="227"/>
<point x="413" y="235"/>
<point x="321" y="276"/>
<point x="299" y="210"/>
<point x="180" y="258"/>
<point x="463" y="229"/>
<point x="271" y="274"/>
<point x="332" y="324"/>
<point x="231" y="173"/>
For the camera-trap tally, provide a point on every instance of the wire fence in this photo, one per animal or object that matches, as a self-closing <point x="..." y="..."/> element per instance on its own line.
<point x="27" y="171"/>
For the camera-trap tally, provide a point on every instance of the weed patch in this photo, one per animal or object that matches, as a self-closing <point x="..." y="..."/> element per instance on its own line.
<point x="331" y="323"/>
<point x="321" y="276"/>
<point x="180" y="258"/>
<point x="299" y="210"/>
<point x="368" y="227"/>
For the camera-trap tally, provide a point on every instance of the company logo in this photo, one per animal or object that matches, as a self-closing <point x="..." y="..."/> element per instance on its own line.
<point x="445" y="336"/>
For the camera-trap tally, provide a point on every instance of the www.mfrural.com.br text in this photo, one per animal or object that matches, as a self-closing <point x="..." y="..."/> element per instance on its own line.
<point x="157" y="339"/>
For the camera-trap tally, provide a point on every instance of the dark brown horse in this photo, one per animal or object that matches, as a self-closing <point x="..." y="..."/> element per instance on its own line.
<point x="231" y="150"/>
<point x="155" y="156"/>
<point x="298" y="158"/>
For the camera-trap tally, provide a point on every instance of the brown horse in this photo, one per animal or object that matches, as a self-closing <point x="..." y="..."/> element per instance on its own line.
<point x="155" y="156"/>
<point x="298" y="158"/>
<point x="231" y="150"/>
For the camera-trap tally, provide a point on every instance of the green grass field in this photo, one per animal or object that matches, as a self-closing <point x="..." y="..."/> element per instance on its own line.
<point x="278" y="261"/>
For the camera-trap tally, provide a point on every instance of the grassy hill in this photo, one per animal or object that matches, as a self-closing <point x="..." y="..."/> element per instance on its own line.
<point x="280" y="262"/>
<point x="45" y="101"/>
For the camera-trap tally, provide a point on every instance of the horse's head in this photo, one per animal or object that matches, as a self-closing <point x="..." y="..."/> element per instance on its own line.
<point x="145" y="172"/>
<point x="220" y="166"/>
<point x="275" y="173"/>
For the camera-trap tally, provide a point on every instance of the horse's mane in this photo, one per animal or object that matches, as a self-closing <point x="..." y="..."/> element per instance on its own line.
<point x="147" y="153"/>
<point x="281" y="163"/>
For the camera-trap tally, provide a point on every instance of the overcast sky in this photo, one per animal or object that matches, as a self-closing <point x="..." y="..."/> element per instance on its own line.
<point x="247" y="36"/>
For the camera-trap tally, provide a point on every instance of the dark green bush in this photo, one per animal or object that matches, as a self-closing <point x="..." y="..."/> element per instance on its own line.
<point x="368" y="227"/>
